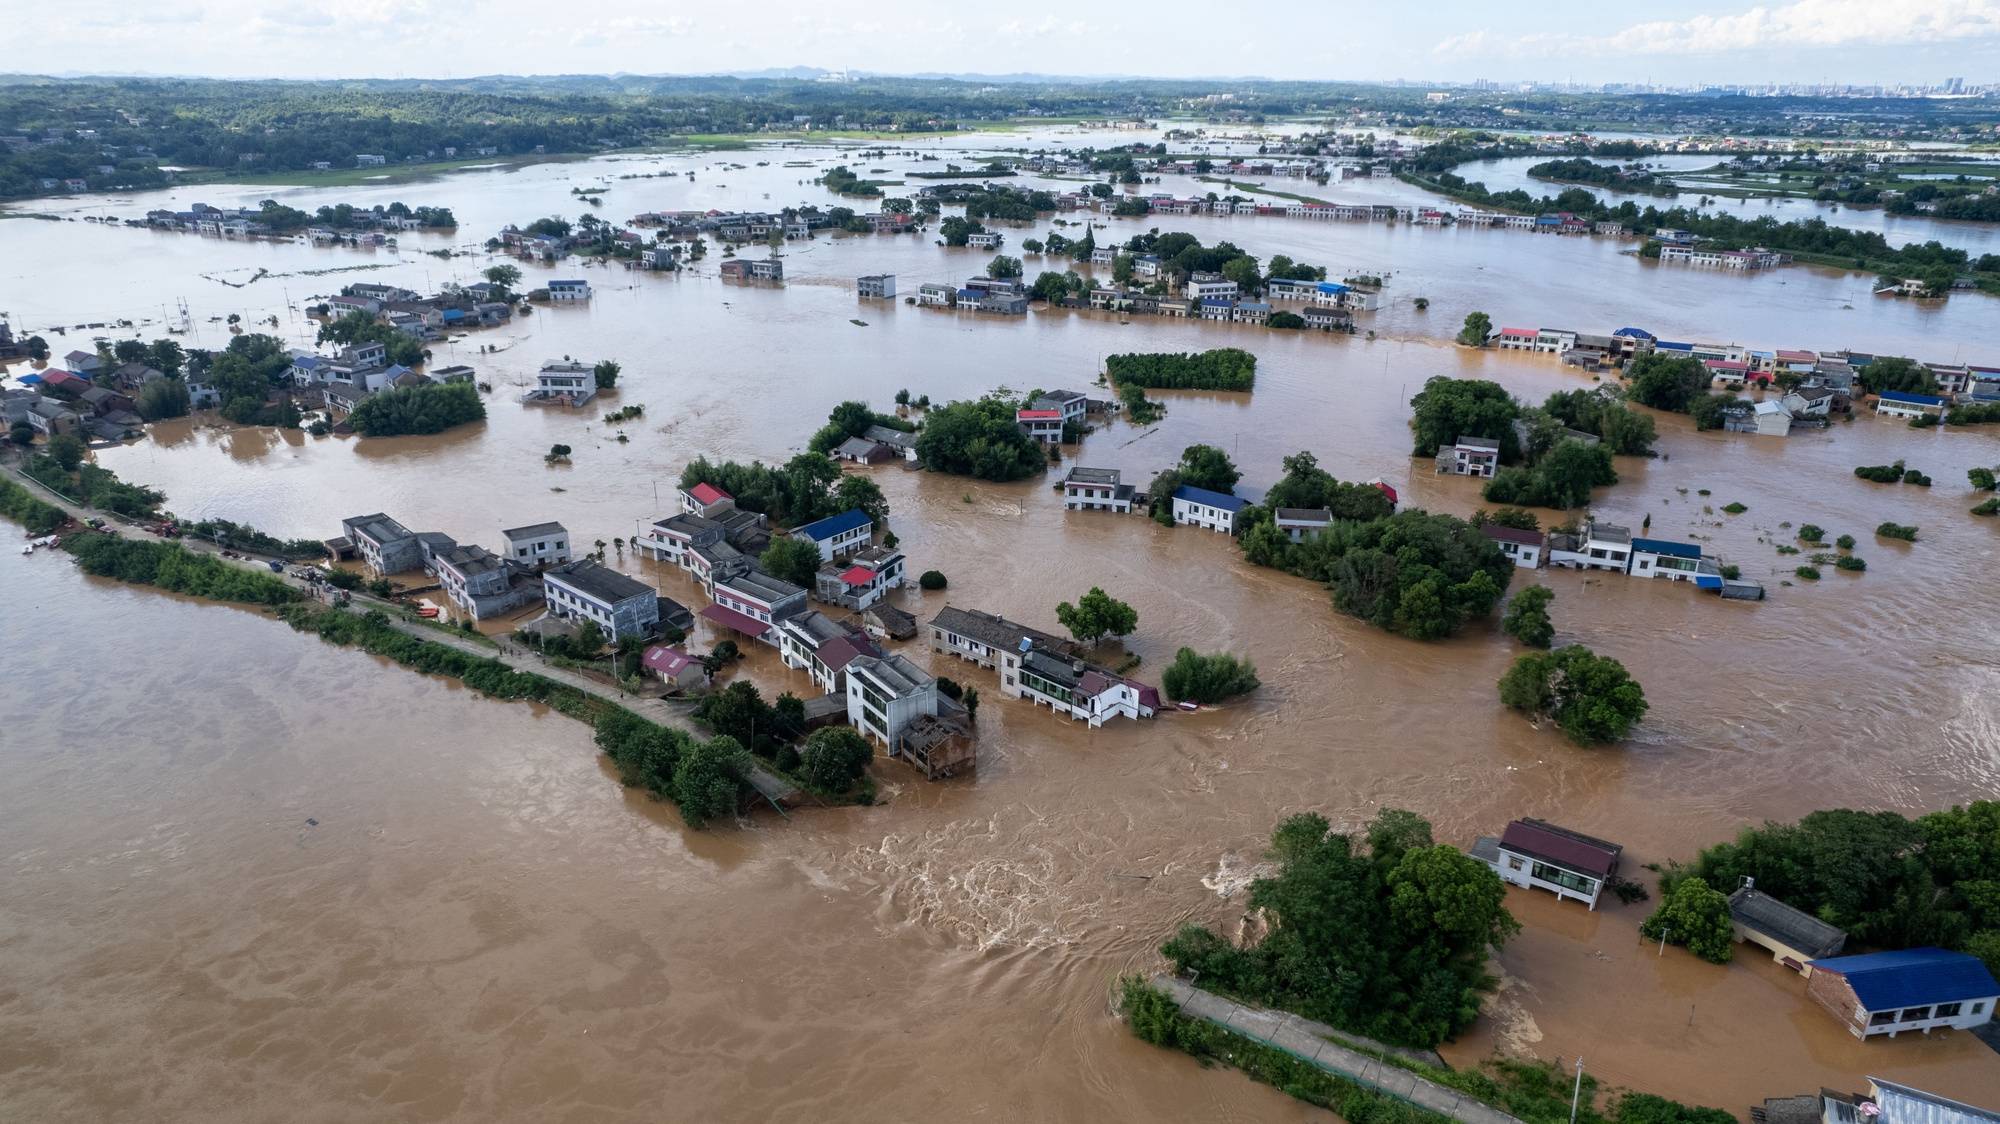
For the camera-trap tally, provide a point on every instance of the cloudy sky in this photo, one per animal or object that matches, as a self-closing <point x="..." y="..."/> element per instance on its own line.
<point x="1861" y="41"/>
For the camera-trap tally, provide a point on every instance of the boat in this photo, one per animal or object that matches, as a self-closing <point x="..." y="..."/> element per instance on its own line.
<point x="1188" y="705"/>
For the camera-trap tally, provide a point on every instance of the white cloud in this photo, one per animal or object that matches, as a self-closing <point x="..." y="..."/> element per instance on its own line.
<point x="1801" y="24"/>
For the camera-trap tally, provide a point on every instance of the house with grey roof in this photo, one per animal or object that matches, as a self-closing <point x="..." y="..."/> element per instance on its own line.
<point x="620" y="606"/>
<point x="885" y="694"/>
<point x="483" y="584"/>
<point x="385" y="545"/>
<point x="536" y="545"/>
<point x="1793" y="937"/>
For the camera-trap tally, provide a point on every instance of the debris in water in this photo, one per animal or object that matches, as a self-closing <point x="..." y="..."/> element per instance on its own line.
<point x="310" y="822"/>
<point x="858" y="323"/>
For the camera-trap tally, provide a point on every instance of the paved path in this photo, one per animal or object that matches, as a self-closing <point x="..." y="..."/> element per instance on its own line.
<point x="1306" y="1039"/>
<point x="768" y="784"/>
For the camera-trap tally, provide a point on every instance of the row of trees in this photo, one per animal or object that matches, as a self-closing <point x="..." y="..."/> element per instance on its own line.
<point x="803" y="489"/>
<point x="429" y="408"/>
<point x="361" y="327"/>
<point x="1220" y="368"/>
<point x="1889" y="881"/>
<point x="176" y="569"/>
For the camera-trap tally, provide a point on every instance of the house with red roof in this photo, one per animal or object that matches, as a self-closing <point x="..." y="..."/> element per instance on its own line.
<point x="1045" y="426"/>
<point x="862" y="579"/>
<point x="1539" y="855"/>
<point x="674" y="667"/>
<point x="1523" y="548"/>
<point x="706" y="500"/>
<point x="822" y="647"/>
<point x="1515" y="339"/>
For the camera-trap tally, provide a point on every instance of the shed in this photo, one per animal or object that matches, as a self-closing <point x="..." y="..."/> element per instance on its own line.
<point x="1793" y="936"/>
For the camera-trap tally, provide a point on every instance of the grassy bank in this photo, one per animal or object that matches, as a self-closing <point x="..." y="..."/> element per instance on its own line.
<point x="30" y="511"/>
<point x="175" y="568"/>
<point x="1253" y="189"/>
<point x="367" y="177"/>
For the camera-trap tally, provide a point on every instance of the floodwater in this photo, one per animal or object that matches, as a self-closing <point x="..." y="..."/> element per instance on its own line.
<point x="481" y="925"/>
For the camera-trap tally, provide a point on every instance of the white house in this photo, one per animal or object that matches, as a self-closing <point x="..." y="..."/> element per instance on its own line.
<point x="861" y="580"/>
<point x="985" y="240"/>
<point x="1542" y="856"/>
<point x="1660" y="558"/>
<point x="706" y="500"/>
<point x="569" y="290"/>
<point x="1772" y="419"/>
<point x="566" y="383"/>
<point x="1082" y="691"/>
<point x="875" y="286"/>
<point x="885" y="694"/>
<point x="1471" y="456"/>
<point x="838" y="535"/>
<point x="822" y="647"/>
<point x="585" y="591"/>
<point x="1600" y="546"/>
<point x="1903" y="404"/>
<point x="536" y="545"/>
<point x="1096" y="489"/>
<point x="1200" y="507"/>
<point x="1883" y="994"/>
<point x="1524" y="548"/>
<point x="1298" y="523"/>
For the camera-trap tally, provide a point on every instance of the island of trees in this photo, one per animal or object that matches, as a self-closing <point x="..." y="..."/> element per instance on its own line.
<point x="410" y="410"/>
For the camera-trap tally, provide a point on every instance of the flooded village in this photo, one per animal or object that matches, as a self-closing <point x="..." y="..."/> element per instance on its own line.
<point x="254" y="872"/>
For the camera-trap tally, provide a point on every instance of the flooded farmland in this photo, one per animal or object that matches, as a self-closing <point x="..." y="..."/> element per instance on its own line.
<point x="250" y="876"/>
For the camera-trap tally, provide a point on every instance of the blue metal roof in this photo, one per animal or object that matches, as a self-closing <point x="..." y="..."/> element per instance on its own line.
<point x="1331" y="287"/>
<point x="1912" y="977"/>
<point x="1216" y="302"/>
<point x="1912" y="399"/>
<point x="1209" y="499"/>
<point x="1635" y="333"/>
<point x="1671" y="549"/>
<point x="835" y="525"/>
<point x="1669" y="345"/>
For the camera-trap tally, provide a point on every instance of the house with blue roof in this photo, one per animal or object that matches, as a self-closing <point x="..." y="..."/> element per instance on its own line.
<point x="1903" y="404"/>
<point x="838" y="535"/>
<point x="1888" y="993"/>
<point x="1675" y="561"/>
<point x="1199" y="507"/>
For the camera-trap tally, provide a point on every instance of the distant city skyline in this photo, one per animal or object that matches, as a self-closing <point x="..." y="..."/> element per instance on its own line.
<point x="1892" y="43"/>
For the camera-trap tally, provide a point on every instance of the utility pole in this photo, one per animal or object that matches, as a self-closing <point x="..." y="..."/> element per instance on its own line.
<point x="1577" y="1093"/>
<point x="1663" y="943"/>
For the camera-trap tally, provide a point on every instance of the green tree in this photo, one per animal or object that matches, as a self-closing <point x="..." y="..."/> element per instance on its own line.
<point x="1982" y="479"/>
<point x="1696" y="917"/>
<point x="1121" y="270"/>
<point x="66" y="451"/>
<point x="1003" y="267"/>
<point x="1205" y="466"/>
<point x="1527" y="617"/>
<point x="1667" y="383"/>
<point x="1095" y="615"/>
<point x="427" y="408"/>
<point x="860" y="492"/>
<point x="505" y="276"/>
<point x="833" y="759"/>
<point x="1447" y="409"/>
<point x="606" y="373"/>
<point x="1206" y="679"/>
<point x="163" y="398"/>
<point x="1591" y="697"/>
<point x="791" y="560"/>
<point x="931" y="579"/>
<point x="706" y="779"/>
<point x="1477" y="327"/>
<point x="978" y="438"/>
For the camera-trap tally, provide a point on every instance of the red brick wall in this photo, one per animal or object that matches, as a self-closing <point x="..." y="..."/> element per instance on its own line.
<point x="1830" y="990"/>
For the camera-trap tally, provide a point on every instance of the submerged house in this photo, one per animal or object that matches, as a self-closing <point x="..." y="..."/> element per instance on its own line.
<point x="1793" y="937"/>
<point x="1539" y="855"/>
<point x="1888" y="993"/>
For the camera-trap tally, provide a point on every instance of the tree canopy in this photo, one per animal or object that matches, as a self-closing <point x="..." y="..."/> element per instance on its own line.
<point x="429" y="408"/>
<point x="803" y="489"/>
<point x="1447" y="409"/>
<point x="1221" y="368"/>
<point x="1194" y="677"/>
<point x="1591" y="697"/>
<point x="1696" y="917"/>
<point x="979" y="438"/>
<point x="1527" y="617"/>
<point x="1096" y="615"/>
<point x="1386" y="934"/>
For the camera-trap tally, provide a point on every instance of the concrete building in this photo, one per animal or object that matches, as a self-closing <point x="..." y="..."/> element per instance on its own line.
<point x="838" y="535"/>
<point x="876" y="286"/>
<point x="1096" y="489"/>
<point x="885" y="695"/>
<point x="537" y="545"/>
<point x="1300" y="523"/>
<point x="1540" y="855"/>
<point x="862" y="579"/>
<point x="1524" y="548"/>
<point x="385" y="545"/>
<point x="1471" y="456"/>
<point x="1883" y="994"/>
<point x="1199" y="507"/>
<point x="1793" y="937"/>
<point x="620" y="606"/>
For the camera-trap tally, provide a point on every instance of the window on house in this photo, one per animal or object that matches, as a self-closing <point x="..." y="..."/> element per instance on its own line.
<point x="1882" y="1018"/>
<point x="1516" y="863"/>
<point x="1947" y="1010"/>
<point x="1916" y="1014"/>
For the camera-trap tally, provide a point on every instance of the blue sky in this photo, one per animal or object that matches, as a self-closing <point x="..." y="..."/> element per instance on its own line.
<point x="1858" y="41"/>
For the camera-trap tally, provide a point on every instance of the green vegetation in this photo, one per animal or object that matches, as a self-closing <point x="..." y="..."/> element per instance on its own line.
<point x="834" y="759"/>
<point x="1812" y="533"/>
<point x="852" y="419"/>
<point x="24" y="507"/>
<point x="1982" y="479"/>
<point x="1850" y="563"/>
<point x="1890" y="882"/>
<point x="979" y="438"/>
<point x="1735" y="508"/>
<point x="1591" y="697"/>
<point x="931" y="580"/>
<point x="1667" y="383"/>
<point x="1914" y="477"/>
<point x="1194" y="677"/>
<point x="1844" y="542"/>
<point x="791" y="560"/>
<point x="1096" y="615"/>
<point x="1222" y="368"/>
<point x="1881" y="473"/>
<point x="606" y="373"/>
<point x="1478" y="326"/>
<point x="1561" y="478"/>
<point x="1893" y="372"/>
<point x="1988" y="507"/>
<point x="1601" y="413"/>
<point x="360" y="327"/>
<point x="1285" y="321"/>
<point x="1527" y="617"/>
<point x="806" y="488"/>
<point x="1182" y="254"/>
<point x="1578" y="169"/>
<point x="1200" y="466"/>
<point x="1421" y="575"/>
<point x="1979" y="413"/>
<point x="1447" y="409"/>
<point x="1807" y="573"/>
<point x="172" y="567"/>
<point x="1897" y="531"/>
<point x="957" y="229"/>
<point x="64" y="471"/>
<point x="1385" y="934"/>
<point x="739" y="712"/>
<point x="429" y="408"/>
<point x="1695" y="917"/>
<point x="239" y="536"/>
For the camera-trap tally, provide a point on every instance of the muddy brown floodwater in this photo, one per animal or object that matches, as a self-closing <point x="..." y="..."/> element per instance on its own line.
<point x="249" y="876"/>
